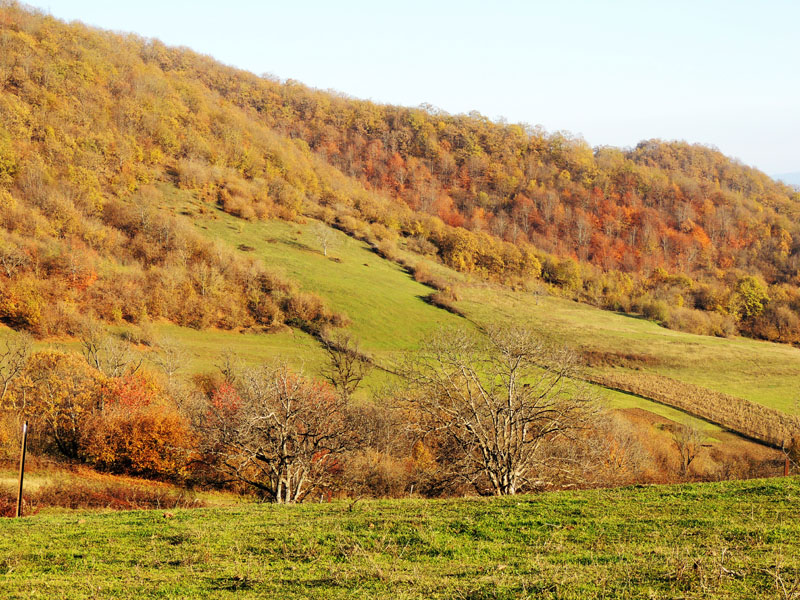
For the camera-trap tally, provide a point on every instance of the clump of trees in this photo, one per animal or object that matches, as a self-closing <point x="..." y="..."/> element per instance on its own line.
<point x="495" y="414"/>
<point x="123" y="423"/>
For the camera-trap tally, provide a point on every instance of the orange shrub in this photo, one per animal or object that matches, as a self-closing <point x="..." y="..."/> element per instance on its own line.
<point x="152" y="441"/>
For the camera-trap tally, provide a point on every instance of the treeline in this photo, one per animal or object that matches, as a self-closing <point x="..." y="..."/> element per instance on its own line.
<point x="91" y="121"/>
<point x="265" y="430"/>
<point x="286" y="436"/>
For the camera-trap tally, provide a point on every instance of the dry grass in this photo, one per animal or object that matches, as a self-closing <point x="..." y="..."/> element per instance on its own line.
<point x="737" y="414"/>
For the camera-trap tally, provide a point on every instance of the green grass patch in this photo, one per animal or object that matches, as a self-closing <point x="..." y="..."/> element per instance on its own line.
<point x="759" y="371"/>
<point x="720" y="540"/>
<point x="386" y="306"/>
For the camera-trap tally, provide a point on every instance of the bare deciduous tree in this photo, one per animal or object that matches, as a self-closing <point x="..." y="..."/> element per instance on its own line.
<point x="12" y="258"/>
<point x="325" y="236"/>
<point x="498" y="402"/>
<point x="276" y="431"/>
<point x="688" y="441"/>
<point x="170" y="358"/>
<point x="110" y="356"/>
<point x="346" y="366"/>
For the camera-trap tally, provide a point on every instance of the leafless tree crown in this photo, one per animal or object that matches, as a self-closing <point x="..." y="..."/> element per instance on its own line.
<point x="276" y="431"/>
<point x="346" y="364"/>
<point x="499" y="401"/>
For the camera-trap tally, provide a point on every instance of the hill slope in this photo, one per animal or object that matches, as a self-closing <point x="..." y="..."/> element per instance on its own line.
<point x="148" y="187"/>
<point x="90" y="121"/>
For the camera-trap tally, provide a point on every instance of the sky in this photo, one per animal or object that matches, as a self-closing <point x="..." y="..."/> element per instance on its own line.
<point x="724" y="73"/>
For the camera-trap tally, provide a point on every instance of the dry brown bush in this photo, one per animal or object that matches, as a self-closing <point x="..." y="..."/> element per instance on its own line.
<point x="423" y="275"/>
<point x="98" y="494"/>
<point x="446" y="301"/>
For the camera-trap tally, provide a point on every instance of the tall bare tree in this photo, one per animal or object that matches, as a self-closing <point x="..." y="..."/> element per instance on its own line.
<point x="346" y="366"/>
<point x="276" y="431"/>
<point x="498" y="402"/>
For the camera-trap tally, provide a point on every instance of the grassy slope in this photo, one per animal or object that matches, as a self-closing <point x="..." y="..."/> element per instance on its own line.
<point x="759" y="371"/>
<point x="389" y="314"/>
<point x="385" y="304"/>
<point x="720" y="540"/>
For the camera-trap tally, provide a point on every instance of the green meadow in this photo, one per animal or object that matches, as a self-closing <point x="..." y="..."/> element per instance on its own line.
<point x="759" y="371"/>
<point x="720" y="540"/>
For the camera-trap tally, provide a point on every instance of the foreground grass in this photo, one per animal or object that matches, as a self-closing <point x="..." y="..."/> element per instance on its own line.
<point x="693" y="541"/>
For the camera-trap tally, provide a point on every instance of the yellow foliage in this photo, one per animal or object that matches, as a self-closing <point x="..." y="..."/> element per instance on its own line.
<point x="59" y="392"/>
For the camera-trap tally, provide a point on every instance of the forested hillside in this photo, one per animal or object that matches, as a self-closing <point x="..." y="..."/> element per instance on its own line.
<point x="169" y="225"/>
<point x="94" y="124"/>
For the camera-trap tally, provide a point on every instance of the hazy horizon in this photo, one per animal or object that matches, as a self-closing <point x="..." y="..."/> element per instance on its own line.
<point x="714" y="73"/>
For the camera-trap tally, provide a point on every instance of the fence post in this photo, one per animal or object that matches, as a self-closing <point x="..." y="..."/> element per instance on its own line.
<point x="786" y="466"/>
<point x="22" y="467"/>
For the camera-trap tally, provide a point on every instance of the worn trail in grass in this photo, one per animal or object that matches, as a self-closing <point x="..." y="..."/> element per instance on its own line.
<point x="692" y="541"/>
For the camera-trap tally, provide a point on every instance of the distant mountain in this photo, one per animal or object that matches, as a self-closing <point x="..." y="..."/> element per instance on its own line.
<point x="788" y="178"/>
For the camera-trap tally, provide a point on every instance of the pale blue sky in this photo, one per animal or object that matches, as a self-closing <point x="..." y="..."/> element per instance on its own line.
<point x="720" y="72"/>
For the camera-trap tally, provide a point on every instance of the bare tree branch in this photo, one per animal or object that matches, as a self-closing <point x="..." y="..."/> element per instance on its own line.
<point x="497" y="402"/>
<point x="276" y="431"/>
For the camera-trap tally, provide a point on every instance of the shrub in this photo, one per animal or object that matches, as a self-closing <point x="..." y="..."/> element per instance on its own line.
<point x="388" y="250"/>
<point x="377" y="474"/>
<point x="421" y="245"/>
<point x="151" y="441"/>
<point x="423" y="275"/>
<point x="59" y="393"/>
<point x="192" y="175"/>
<point x="445" y="300"/>
<point x="264" y="310"/>
<point x="655" y="310"/>
<point x="305" y="308"/>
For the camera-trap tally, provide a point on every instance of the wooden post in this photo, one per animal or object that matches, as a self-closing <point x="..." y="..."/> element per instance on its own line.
<point x="22" y="467"/>
<point x="786" y="467"/>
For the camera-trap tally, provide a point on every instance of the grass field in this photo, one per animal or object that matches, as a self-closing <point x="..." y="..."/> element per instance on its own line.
<point x="726" y="540"/>
<point x="389" y="313"/>
<point x="759" y="371"/>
